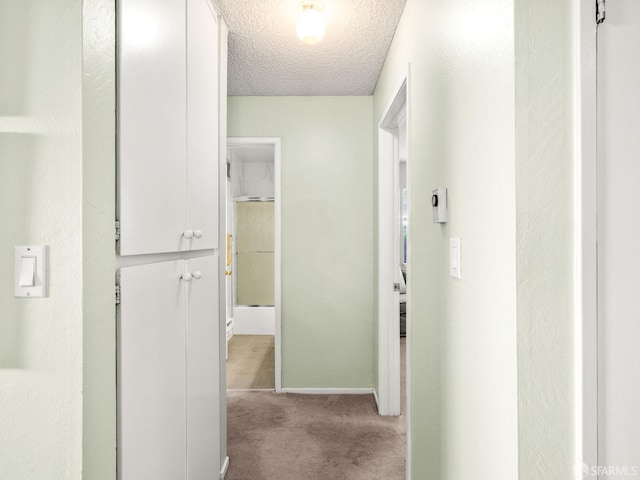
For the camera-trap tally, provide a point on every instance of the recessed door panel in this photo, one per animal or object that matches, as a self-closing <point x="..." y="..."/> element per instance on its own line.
<point x="202" y="124"/>
<point x="151" y="126"/>
<point x="151" y="373"/>
<point x="619" y="237"/>
<point x="203" y="369"/>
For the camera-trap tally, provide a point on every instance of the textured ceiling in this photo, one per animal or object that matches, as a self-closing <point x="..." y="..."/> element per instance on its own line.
<point x="267" y="58"/>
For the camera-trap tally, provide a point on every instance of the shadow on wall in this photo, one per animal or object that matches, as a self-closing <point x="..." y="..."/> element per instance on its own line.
<point x="16" y="178"/>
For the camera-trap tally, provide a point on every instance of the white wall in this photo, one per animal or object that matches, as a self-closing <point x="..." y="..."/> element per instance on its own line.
<point x="57" y="354"/>
<point x="41" y="189"/>
<point x="463" y="332"/>
<point x="544" y="186"/>
<point x="491" y="119"/>
<point x="98" y="250"/>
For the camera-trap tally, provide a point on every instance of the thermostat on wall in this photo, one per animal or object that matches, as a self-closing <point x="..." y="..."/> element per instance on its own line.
<point x="439" y="204"/>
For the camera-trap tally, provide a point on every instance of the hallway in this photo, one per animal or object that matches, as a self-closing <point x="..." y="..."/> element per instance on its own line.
<point x="289" y="436"/>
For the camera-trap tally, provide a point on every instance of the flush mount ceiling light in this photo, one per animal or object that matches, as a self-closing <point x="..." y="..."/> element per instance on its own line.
<point x="310" y="25"/>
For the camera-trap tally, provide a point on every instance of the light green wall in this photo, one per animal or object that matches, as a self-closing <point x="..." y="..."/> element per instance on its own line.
<point x="491" y="106"/>
<point x="327" y="228"/>
<point x="57" y="354"/>
<point x="41" y="189"/>
<point x="544" y="181"/>
<point x="463" y="332"/>
<point x="98" y="245"/>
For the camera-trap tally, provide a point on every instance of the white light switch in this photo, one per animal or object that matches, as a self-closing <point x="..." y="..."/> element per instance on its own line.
<point x="455" y="257"/>
<point x="28" y="272"/>
<point x="30" y="266"/>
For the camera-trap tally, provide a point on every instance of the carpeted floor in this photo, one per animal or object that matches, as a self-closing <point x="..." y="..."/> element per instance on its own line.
<point x="312" y="437"/>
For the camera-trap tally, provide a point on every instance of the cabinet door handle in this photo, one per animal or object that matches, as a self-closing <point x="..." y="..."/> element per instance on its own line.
<point x="198" y="233"/>
<point x="187" y="233"/>
<point x="197" y="274"/>
<point x="186" y="277"/>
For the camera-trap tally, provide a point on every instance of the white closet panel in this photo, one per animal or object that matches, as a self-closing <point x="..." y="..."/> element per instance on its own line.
<point x="151" y="373"/>
<point x="203" y="363"/>
<point x="151" y="125"/>
<point x="202" y="124"/>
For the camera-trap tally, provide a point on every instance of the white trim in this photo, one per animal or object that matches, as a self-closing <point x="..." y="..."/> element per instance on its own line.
<point x="278" y="242"/>
<point x="388" y="261"/>
<point x="585" y="235"/>
<point x="330" y="391"/>
<point x="375" y="397"/>
<point x="409" y="316"/>
<point x="250" y="390"/>
<point x="225" y="468"/>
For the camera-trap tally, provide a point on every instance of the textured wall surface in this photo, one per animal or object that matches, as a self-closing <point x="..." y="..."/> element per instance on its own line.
<point x="41" y="203"/>
<point x="463" y="332"/>
<point x="267" y="58"/>
<point x="327" y="248"/>
<point x="544" y="178"/>
<point x="98" y="245"/>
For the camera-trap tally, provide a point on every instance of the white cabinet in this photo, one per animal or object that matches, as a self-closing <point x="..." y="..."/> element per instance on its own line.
<point x="168" y="371"/>
<point x="169" y="59"/>
<point x="203" y="129"/>
<point x="203" y="363"/>
<point x="171" y="119"/>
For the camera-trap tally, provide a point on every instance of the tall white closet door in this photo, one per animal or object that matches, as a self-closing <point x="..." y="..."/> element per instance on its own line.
<point x="151" y="125"/>
<point x="202" y="124"/>
<point x="151" y="373"/>
<point x="619" y="238"/>
<point x="203" y="376"/>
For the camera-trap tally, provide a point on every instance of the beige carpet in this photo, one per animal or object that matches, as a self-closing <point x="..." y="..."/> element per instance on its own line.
<point x="251" y="362"/>
<point x="312" y="437"/>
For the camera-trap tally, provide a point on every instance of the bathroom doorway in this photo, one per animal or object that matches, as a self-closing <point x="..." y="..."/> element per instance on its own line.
<point x="253" y="263"/>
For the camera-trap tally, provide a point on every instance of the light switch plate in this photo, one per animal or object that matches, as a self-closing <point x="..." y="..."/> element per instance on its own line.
<point x="28" y="252"/>
<point x="455" y="256"/>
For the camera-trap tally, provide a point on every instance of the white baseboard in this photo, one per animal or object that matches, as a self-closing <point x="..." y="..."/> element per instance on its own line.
<point x="330" y="391"/>
<point x="225" y="468"/>
<point x="375" y="397"/>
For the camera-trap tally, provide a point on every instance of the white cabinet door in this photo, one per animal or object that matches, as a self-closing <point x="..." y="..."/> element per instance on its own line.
<point x="151" y="126"/>
<point x="203" y="370"/>
<point x="202" y="124"/>
<point x="151" y="373"/>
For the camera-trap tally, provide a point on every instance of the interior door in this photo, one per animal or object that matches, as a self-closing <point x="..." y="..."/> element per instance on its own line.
<point x="202" y="124"/>
<point x="151" y="126"/>
<point x="619" y="236"/>
<point x="151" y="373"/>
<point x="203" y="369"/>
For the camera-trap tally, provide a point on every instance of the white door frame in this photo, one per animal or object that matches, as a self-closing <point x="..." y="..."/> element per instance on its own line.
<point x="231" y="141"/>
<point x="585" y="235"/>
<point x="388" y="395"/>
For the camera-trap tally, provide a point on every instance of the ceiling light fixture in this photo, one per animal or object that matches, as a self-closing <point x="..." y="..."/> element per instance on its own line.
<point x="310" y="25"/>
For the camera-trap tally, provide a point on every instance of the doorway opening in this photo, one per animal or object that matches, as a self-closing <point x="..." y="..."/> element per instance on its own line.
<point x="253" y="264"/>
<point x="394" y="254"/>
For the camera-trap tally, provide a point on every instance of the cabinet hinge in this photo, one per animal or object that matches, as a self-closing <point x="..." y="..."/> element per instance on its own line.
<point x="601" y="13"/>
<point x="117" y="294"/>
<point x="396" y="287"/>
<point x="117" y="230"/>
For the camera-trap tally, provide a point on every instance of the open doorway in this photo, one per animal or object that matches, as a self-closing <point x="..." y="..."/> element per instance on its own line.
<point x="394" y="256"/>
<point x="253" y="264"/>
